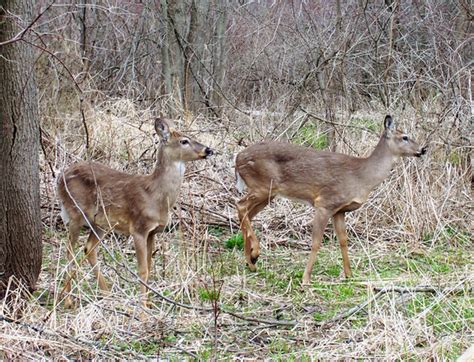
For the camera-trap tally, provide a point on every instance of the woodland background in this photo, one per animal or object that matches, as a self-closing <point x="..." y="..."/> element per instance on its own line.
<point x="318" y="73"/>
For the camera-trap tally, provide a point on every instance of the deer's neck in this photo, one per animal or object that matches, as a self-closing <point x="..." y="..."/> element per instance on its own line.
<point x="378" y="165"/>
<point x="167" y="176"/>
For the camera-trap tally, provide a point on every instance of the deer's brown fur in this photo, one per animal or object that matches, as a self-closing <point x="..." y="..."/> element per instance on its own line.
<point x="333" y="183"/>
<point x="105" y="199"/>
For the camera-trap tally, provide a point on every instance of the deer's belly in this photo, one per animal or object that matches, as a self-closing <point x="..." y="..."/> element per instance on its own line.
<point x="299" y="200"/>
<point x="354" y="205"/>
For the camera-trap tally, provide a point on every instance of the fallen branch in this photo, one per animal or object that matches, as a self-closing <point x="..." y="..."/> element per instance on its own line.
<point x="352" y="310"/>
<point x="79" y="342"/>
<point x="273" y="322"/>
<point x="422" y="289"/>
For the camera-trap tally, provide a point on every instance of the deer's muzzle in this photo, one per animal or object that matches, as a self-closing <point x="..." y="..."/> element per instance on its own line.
<point x="208" y="152"/>
<point x="422" y="151"/>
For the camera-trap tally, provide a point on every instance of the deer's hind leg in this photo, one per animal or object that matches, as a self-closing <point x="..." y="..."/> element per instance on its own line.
<point x="91" y="251"/>
<point x="247" y="208"/>
<point x="320" y="221"/>
<point x="74" y="230"/>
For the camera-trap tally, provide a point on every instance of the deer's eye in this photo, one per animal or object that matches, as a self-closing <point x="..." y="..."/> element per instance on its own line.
<point x="405" y="138"/>
<point x="184" y="142"/>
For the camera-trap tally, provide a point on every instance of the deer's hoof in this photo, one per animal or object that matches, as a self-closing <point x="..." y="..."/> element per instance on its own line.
<point x="252" y="267"/>
<point x="68" y="303"/>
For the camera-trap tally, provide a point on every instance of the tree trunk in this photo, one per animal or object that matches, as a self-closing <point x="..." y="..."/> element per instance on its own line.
<point x="20" y="222"/>
<point x="220" y="55"/>
<point x="188" y="59"/>
<point x="165" y="52"/>
<point x="178" y="25"/>
<point x="392" y="6"/>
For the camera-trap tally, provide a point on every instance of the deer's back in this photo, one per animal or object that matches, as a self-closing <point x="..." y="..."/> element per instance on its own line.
<point x="299" y="172"/>
<point x="103" y="194"/>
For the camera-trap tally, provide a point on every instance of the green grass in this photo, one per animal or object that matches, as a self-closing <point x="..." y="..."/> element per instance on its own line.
<point x="216" y="231"/>
<point x="207" y="295"/>
<point x="442" y="314"/>
<point x="333" y="270"/>
<point x="323" y="316"/>
<point x="370" y="124"/>
<point x="335" y="294"/>
<point x="451" y="234"/>
<point x="144" y="347"/>
<point x="310" y="136"/>
<point x="454" y="158"/>
<point x="236" y="241"/>
<point x="279" y="346"/>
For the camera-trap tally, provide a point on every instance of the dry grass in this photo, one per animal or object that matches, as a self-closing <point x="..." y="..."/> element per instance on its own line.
<point x="415" y="230"/>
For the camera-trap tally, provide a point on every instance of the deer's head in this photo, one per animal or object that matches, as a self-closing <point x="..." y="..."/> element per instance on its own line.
<point x="399" y="143"/>
<point x="178" y="146"/>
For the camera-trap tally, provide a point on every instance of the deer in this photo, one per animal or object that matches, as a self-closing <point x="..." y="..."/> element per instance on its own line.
<point x="95" y="195"/>
<point x="333" y="183"/>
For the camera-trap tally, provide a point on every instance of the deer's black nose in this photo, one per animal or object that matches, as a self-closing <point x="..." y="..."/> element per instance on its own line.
<point x="209" y="152"/>
<point x="422" y="151"/>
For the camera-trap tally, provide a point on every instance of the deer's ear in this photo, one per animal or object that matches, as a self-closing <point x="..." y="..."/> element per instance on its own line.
<point x="389" y="124"/>
<point x="162" y="128"/>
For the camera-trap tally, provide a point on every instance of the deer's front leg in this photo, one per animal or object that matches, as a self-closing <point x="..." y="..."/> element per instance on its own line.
<point x="340" y="228"/>
<point x="141" y="250"/>
<point x="320" y="221"/>
<point x="247" y="208"/>
<point x="150" y="245"/>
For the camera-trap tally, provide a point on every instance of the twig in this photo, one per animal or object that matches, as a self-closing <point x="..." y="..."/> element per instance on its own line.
<point x="263" y="321"/>
<point x="422" y="289"/>
<point x="42" y="132"/>
<point x="84" y="123"/>
<point x="76" y="340"/>
<point x="181" y="349"/>
<point x="384" y="290"/>
<point x="58" y="59"/>
<point x="22" y="33"/>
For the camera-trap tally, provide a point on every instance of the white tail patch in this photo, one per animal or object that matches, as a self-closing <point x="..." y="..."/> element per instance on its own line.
<point x="64" y="215"/>
<point x="240" y="184"/>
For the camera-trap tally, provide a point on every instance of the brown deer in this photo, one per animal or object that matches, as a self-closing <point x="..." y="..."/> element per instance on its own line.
<point x="333" y="183"/>
<point x="102" y="198"/>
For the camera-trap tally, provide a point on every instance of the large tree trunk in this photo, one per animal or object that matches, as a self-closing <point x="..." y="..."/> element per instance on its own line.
<point x="20" y="222"/>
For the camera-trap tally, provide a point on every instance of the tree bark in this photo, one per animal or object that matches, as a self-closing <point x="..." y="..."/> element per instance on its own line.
<point x="20" y="222"/>
<point x="188" y="58"/>
<point x="178" y="25"/>
<point x="165" y="52"/>
<point x="220" y="55"/>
